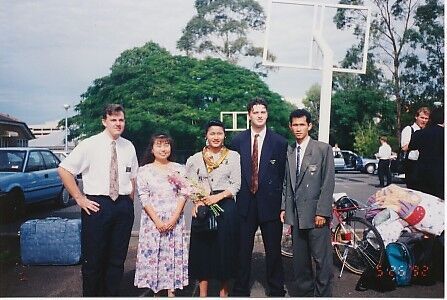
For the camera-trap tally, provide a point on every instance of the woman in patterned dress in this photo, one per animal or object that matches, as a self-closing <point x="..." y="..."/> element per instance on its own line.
<point x="213" y="254"/>
<point x="162" y="257"/>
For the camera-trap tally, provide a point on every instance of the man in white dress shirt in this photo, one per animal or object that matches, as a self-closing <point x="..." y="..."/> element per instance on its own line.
<point x="108" y="164"/>
<point x="411" y="157"/>
<point x="384" y="156"/>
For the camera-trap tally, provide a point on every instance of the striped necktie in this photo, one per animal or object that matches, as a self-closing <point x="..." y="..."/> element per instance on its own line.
<point x="114" y="186"/>
<point x="254" y="166"/>
<point x="298" y="150"/>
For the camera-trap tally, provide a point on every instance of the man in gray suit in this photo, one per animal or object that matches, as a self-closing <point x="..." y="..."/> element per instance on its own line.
<point x="307" y="205"/>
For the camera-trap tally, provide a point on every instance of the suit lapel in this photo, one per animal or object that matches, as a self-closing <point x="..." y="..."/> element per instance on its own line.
<point x="306" y="160"/>
<point x="266" y="153"/>
<point x="246" y="155"/>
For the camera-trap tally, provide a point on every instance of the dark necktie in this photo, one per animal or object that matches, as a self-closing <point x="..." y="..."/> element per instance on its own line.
<point x="298" y="149"/>
<point x="114" y="186"/>
<point x="254" y="166"/>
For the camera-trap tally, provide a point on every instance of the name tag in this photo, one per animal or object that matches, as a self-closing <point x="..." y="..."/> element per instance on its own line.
<point x="128" y="169"/>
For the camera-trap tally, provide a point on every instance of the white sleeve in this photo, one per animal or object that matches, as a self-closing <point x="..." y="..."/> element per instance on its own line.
<point x="405" y="136"/>
<point x="77" y="161"/>
<point x="134" y="170"/>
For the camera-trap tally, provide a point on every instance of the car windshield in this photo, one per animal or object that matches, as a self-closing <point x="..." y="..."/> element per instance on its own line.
<point x="11" y="160"/>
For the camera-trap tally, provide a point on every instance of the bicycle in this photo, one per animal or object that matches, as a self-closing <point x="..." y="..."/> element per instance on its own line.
<point x="356" y="242"/>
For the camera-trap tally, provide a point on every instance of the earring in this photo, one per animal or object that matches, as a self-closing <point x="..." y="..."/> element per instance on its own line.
<point x="206" y="142"/>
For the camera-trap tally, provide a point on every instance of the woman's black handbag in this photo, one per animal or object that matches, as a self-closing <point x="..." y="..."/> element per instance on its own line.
<point x="205" y="221"/>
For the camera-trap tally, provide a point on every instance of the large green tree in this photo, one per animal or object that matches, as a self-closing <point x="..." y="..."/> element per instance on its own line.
<point x="391" y="31"/>
<point x="424" y="67"/>
<point x="221" y="28"/>
<point x="177" y="94"/>
<point x="352" y="107"/>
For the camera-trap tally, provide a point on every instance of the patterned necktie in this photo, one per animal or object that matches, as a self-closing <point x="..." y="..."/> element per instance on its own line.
<point x="114" y="187"/>
<point x="254" y="166"/>
<point x="298" y="149"/>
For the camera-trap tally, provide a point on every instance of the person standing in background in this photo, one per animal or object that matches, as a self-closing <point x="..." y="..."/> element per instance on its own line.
<point x="411" y="157"/>
<point x="430" y="164"/>
<point x="384" y="156"/>
<point x="108" y="164"/>
<point x="263" y="158"/>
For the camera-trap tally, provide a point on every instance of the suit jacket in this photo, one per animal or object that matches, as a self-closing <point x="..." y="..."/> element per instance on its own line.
<point x="270" y="174"/>
<point x="311" y="194"/>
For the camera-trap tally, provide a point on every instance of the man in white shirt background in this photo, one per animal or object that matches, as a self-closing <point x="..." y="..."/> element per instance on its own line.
<point x="384" y="156"/>
<point x="411" y="157"/>
<point x="108" y="164"/>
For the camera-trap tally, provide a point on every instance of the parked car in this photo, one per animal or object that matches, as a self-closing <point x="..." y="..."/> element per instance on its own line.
<point x="28" y="175"/>
<point x="346" y="160"/>
<point x="61" y="154"/>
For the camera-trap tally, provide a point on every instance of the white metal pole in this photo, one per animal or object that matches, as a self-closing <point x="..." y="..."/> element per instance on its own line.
<point x="326" y="88"/>
<point x="66" y="106"/>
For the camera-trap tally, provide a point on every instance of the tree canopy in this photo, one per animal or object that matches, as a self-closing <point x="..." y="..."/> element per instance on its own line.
<point x="407" y="44"/>
<point x="221" y="28"/>
<point x="175" y="94"/>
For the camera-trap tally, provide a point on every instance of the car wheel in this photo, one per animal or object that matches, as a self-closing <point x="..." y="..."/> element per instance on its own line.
<point x="370" y="168"/>
<point x="64" y="198"/>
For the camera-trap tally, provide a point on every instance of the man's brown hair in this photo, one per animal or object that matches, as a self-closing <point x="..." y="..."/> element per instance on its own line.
<point x="111" y="109"/>
<point x="424" y="109"/>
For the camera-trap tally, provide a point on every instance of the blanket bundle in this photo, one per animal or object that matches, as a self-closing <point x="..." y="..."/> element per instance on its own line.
<point x="396" y="209"/>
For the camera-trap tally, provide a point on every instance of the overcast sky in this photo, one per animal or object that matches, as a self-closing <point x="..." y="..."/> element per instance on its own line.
<point x="52" y="50"/>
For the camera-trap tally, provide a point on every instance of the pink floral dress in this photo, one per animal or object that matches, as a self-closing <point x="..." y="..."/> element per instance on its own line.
<point x="162" y="258"/>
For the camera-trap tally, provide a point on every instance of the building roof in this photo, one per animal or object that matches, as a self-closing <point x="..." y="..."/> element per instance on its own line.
<point x="7" y="120"/>
<point x="54" y="140"/>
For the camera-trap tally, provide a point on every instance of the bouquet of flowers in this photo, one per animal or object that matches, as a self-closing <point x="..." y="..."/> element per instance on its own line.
<point x="199" y="192"/>
<point x="193" y="190"/>
<point x="180" y="185"/>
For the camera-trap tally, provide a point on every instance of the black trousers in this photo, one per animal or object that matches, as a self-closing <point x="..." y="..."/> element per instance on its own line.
<point x="384" y="170"/>
<point x="105" y="241"/>
<point x="271" y="235"/>
<point x="411" y="177"/>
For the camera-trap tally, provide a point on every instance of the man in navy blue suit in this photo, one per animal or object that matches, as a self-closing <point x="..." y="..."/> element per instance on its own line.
<point x="263" y="157"/>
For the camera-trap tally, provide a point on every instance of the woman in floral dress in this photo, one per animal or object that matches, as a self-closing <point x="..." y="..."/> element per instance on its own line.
<point x="162" y="257"/>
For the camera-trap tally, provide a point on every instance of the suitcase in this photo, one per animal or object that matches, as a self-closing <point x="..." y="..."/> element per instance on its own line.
<point x="51" y="241"/>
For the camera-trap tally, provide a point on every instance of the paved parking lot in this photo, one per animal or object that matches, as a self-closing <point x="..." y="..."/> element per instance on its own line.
<point x="17" y="280"/>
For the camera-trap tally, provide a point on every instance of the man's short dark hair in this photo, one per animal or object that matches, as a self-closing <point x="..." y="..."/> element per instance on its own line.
<point x="437" y="116"/>
<point x="111" y="109"/>
<point x="256" y="101"/>
<point x="298" y="113"/>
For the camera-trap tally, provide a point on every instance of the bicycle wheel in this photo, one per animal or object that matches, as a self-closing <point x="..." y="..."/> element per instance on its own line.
<point x="359" y="244"/>
<point x="286" y="241"/>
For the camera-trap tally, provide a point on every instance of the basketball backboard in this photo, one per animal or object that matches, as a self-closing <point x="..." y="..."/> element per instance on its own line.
<point x="290" y="34"/>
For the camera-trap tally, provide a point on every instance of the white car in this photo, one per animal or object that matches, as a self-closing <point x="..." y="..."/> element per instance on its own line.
<point x="61" y="154"/>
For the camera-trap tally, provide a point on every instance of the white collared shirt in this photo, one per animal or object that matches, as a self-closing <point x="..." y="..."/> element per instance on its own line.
<point x="405" y="139"/>
<point x="303" y="147"/>
<point x="261" y="138"/>
<point x="92" y="158"/>
<point x="384" y="152"/>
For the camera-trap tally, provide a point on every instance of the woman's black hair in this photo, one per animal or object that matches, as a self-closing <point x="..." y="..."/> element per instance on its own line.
<point x="149" y="156"/>
<point x="214" y="123"/>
